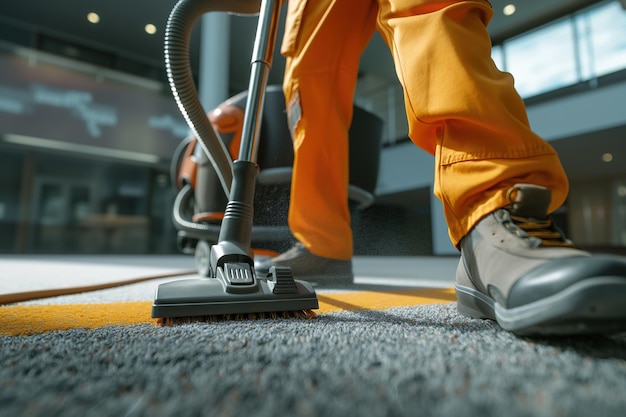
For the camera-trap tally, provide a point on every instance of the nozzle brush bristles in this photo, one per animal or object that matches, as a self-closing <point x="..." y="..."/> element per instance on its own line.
<point x="297" y="314"/>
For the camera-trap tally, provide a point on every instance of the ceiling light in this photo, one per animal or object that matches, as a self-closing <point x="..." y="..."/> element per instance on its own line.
<point x="93" y="17"/>
<point x="607" y="157"/>
<point x="150" y="29"/>
<point x="509" y="9"/>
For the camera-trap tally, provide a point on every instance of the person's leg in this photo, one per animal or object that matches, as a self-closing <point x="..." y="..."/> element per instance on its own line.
<point x="497" y="180"/>
<point x="463" y="110"/>
<point x="323" y="43"/>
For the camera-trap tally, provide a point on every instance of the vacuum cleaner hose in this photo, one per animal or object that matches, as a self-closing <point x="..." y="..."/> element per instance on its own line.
<point x="182" y="200"/>
<point x="177" y="40"/>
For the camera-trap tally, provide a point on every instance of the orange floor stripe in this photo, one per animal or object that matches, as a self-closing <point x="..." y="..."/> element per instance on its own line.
<point x="27" y="320"/>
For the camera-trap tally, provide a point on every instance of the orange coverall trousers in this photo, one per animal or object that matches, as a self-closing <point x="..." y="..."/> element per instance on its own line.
<point x="459" y="106"/>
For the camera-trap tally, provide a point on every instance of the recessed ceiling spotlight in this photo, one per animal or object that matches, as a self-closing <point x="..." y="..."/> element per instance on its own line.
<point x="509" y="9"/>
<point x="150" y="29"/>
<point x="93" y="17"/>
<point x="607" y="157"/>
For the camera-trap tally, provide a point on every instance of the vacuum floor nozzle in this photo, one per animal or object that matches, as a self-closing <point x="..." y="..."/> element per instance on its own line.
<point x="215" y="296"/>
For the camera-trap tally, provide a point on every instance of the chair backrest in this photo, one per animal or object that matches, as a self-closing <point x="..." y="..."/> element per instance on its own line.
<point x="366" y="134"/>
<point x="276" y="148"/>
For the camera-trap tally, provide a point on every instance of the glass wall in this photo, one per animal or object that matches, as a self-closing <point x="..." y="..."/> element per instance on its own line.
<point x="619" y="212"/>
<point x="11" y="170"/>
<point x="597" y="213"/>
<point x="55" y="203"/>
<point x="84" y="157"/>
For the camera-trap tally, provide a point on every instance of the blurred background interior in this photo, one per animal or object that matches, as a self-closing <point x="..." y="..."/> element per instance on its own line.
<point x="88" y="125"/>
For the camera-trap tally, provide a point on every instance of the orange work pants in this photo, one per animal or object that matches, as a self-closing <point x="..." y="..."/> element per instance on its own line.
<point x="459" y="106"/>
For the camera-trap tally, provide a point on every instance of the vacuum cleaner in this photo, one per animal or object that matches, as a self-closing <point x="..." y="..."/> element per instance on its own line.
<point x="200" y="201"/>
<point x="227" y="285"/>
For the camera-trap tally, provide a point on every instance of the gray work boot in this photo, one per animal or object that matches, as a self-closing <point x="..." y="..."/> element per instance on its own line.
<point x="305" y="266"/>
<point x="517" y="268"/>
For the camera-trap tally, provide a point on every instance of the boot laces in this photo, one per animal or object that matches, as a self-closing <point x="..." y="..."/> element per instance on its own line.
<point x="546" y="230"/>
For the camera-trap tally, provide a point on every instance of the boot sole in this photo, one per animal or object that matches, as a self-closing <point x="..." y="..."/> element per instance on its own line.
<point x="593" y="306"/>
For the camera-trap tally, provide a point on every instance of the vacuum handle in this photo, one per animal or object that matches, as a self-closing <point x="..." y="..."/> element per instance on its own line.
<point x="260" y="66"/>
<point x="236" y="231"/>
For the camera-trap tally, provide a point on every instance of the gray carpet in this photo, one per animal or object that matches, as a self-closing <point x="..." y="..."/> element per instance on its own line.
<point x="418" y="361"/>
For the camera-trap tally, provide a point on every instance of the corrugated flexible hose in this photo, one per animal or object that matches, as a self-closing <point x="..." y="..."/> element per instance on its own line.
<point x="180" y="23"/>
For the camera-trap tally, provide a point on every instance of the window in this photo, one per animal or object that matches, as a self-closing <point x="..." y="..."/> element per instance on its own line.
<point x="606" y="38"/>
<point x="498" y="57"/>
<point x="581" y="47"/>
<point x="544" y="59"/>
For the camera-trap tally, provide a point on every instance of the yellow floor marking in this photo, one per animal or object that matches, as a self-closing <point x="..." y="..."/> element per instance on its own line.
<point x="24" y="320"/>
<point x="382" y="300"/>
<point x="33" y="319"/>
